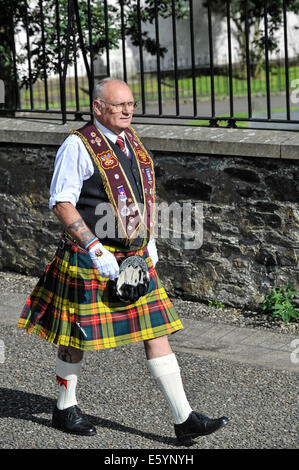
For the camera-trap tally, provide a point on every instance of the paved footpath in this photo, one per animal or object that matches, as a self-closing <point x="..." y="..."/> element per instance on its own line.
<point x="247" y="374"/>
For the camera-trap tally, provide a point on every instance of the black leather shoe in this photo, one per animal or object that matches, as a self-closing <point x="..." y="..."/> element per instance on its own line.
<point x="71" y="420"/>
<point x="196" y="425"/>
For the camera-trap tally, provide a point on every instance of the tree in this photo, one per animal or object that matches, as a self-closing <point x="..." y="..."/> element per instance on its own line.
<point x="7" y="28"/>
<point x="255" y="19"/>
<point x="44" y="21"/>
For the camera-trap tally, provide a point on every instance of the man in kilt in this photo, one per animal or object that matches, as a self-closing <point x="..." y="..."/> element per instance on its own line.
<point x="74" y="304"/>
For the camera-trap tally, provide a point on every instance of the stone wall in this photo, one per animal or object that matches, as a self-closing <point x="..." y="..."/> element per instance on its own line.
<point x="250" y="226"/>
<point x="28" y="230"/>
<point x="250" y="212"/>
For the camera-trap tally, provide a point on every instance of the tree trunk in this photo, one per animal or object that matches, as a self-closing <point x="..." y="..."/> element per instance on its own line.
<point x="11" y="94"/>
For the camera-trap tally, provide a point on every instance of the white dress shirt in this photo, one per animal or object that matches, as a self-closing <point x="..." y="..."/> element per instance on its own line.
<point x="72" y="166"/>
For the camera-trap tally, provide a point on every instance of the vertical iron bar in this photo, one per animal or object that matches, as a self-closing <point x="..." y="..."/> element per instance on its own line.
<point x="14" y="58"/>
<point x="75" y="8"/>
<point x="211" y="63"/>
<point x="91" y="55"/>
<point x="70" y="14"/>
<point x="141" y="57"/>
<point x="248" y="62"/>
<point x="29" y="55"/>
<point x="230" y="70"/>
<point x="76" y="75"/>
<point x="175" y="59"/>
<point x="267" y="58"/>
<point x="44" y="55"/>
<point x="158" y="57"/>
<point x="286" y="59"/>
<point x="192" y="57"/>
<point x="107" y="37"/>
<point x="62" y="97"/>
<point x="123" y="39"/>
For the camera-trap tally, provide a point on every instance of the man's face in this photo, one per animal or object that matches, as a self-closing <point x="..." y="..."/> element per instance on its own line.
<point x="109" y="116"/>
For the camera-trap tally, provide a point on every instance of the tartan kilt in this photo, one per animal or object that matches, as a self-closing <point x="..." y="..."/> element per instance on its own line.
<point x="72" y="305"/>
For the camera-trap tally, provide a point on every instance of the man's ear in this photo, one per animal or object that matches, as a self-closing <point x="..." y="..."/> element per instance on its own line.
<point x="97" y="107"/>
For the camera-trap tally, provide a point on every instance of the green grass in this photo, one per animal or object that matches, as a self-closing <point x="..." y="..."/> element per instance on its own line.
<point x="221" y="85"/>
<point x="239" y="85"/>
<point x="185" y="89"/>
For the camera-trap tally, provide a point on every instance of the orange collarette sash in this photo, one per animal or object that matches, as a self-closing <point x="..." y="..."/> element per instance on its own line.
<point x="132" y="219"/>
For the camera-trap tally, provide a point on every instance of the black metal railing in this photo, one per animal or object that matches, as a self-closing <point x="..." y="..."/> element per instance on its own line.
<point x="52" y="52"/>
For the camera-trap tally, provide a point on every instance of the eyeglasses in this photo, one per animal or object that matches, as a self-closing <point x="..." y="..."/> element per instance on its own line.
<point x="120" y="106"/>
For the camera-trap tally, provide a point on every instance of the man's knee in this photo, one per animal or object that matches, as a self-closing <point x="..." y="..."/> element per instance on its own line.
<point x="70" y="354"/>
<point x="157" y="347"/>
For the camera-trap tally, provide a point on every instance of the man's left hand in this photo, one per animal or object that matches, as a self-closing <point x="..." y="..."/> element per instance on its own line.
<point x="152" y="251"/>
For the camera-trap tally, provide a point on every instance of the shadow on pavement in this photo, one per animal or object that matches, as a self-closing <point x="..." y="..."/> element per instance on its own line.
<point x="23" y="405"/>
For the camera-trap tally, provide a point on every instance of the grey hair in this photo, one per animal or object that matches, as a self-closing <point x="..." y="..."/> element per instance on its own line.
<point x="98" y="91"/>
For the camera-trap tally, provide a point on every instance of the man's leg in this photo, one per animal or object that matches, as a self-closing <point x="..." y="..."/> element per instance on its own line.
<point x="164" y="367"/>
<point x="67" y="416"/>
<point x="68" y="368"/>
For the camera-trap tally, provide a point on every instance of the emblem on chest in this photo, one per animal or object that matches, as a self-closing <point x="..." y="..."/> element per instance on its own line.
<point x="107" y="160"/>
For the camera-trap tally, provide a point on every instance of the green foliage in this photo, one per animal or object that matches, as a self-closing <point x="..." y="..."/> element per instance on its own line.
<point x="279" y="304"/>
<point x="216" y="303"/>
<point x="45" y="57"/>
<point x="148" y="15"/>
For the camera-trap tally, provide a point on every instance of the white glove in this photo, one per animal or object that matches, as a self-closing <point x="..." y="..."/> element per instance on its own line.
<point x="152" y="251"/>
<point x="104" y="261"/>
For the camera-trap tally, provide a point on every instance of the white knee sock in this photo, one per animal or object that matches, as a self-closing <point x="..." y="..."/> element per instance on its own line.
<point x="166" y="371"/>
<point x="67" y="376"/>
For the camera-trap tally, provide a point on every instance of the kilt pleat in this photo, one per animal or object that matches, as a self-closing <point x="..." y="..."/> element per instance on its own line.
<point x="72" y="305"/>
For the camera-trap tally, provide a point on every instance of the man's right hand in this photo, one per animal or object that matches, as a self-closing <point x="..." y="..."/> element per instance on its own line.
<point x="104" y="261"/>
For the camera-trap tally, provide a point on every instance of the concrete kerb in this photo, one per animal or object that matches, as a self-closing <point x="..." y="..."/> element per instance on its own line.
<point x="238" y="344"/>
<point x="187" y="139"/>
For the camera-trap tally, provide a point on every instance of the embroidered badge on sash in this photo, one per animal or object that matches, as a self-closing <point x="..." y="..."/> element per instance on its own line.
<point x="107" y="160"/>
<point x="149" y="175"/>
<point x="142" y="156"/>
<point x="121" y="193"/>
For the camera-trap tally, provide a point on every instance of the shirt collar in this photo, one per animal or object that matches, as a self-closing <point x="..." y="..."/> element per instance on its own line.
<point x="108" y="133"/>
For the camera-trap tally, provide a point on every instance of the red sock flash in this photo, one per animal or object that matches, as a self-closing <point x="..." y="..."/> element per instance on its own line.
<point x="61" y="381"/>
